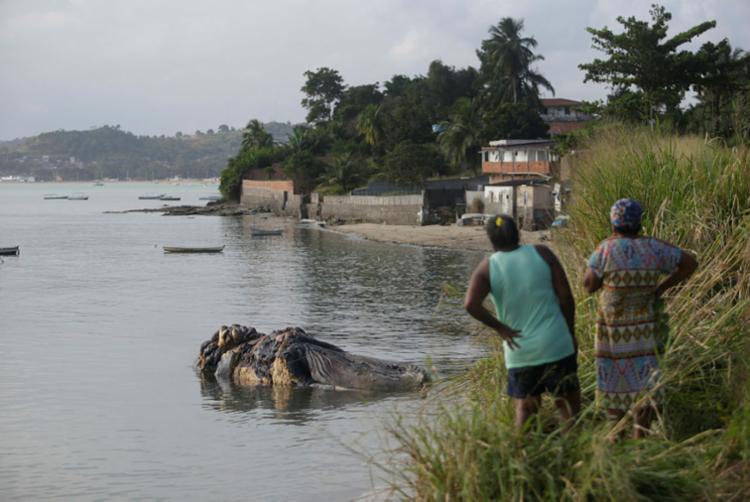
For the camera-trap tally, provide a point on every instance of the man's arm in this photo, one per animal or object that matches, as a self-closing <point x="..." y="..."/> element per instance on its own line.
<point x="479" y="288"/>
<point x="562" y="289"/>
<point x="685" y="269"/>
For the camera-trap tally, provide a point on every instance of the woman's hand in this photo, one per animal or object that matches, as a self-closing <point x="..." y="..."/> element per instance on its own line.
<point x="509" y="335"/>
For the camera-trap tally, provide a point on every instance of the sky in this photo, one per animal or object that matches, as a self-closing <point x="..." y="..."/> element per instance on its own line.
<point x="157" y="67"/>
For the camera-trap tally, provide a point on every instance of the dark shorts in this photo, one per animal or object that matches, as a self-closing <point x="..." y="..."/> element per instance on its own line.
<point x="558" y="378"/>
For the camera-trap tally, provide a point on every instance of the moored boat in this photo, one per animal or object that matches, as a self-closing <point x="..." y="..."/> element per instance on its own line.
<point x="151" y="196"/>
<point x="78" y="196"/>
<point x="169" y="197"/>
<point x="14" y="251"/>
<point x="178" y="249"/>
<point x="54" y="196"/>
<point x="263" y="232"/>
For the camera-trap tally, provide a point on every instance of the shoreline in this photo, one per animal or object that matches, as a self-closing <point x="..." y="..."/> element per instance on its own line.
<point x="468" y="238"/>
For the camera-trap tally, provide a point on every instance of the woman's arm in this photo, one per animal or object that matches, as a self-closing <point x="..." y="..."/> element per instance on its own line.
<point x="479" y="288"/>
<point x="685" y="268"/>
<point x="562" y="289"/>
<point x="591" y="281"/>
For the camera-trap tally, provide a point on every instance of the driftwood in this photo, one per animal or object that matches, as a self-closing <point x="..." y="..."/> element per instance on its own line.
<point x="291" y="357"/>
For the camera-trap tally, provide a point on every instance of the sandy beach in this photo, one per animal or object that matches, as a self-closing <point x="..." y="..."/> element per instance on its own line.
<point x="448" y="236"/>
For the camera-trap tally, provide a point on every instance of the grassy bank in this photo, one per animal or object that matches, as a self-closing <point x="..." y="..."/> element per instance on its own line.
<point x="697" y="195"/>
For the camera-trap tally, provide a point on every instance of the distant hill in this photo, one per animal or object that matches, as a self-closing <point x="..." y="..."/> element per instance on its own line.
<point x="109" y="152"/>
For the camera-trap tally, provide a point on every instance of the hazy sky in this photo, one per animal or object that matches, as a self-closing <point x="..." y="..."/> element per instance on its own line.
<point x="157" y="67"/>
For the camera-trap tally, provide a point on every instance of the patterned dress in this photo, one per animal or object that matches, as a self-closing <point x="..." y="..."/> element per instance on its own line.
<point x="626" y="328"/>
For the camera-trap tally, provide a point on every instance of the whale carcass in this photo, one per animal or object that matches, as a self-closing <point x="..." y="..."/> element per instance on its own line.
<point x="291" y="357"/>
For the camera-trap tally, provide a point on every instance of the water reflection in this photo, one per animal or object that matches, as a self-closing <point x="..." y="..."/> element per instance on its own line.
<point x="290" y="405"/>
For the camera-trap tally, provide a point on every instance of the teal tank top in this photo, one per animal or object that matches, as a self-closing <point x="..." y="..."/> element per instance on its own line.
<point x="525" y="300"/>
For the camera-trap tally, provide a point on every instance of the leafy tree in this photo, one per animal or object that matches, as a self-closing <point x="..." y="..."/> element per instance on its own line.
<point x="460" y="138"/>
<point x="323" y="88"/>
<point x="353" y="100"/>
<point x="345" y="172"/>
<point x="305" y="169"/>
<point x="724" y="81"/>
<point x="506" y="64"/>
<point x="642" y="60"/>
<point x="411" y="163"/>
<point x="512" y="121"/>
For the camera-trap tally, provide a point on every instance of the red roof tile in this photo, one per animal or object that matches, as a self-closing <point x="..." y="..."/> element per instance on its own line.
<point x="559" y="102"/>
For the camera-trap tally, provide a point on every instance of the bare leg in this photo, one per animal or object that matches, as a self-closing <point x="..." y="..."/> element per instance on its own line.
<point x="615" y="415"/>
<point x="568" y="405"/>
<point x="526" y="408"/>
<point x="643" y="415"/>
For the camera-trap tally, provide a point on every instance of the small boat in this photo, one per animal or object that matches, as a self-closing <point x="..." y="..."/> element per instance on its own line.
<point x="151" y="196"/>
<point x="54" y="196"/>
<point x="213" y="198"/>
<point x="306" y="222"/>
<point x="263" y="232"/>
<point x="10" y="251"/>
<point x="175" y="249"/>
<point x="78" y="196"/>
<point x="98" y="184"/>
<point x="169" y="197"/>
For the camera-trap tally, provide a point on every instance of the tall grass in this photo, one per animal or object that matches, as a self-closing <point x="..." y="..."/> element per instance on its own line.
<point x="697" y="195"/>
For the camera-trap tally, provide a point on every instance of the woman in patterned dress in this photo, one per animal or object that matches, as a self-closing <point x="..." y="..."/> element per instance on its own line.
<point x="629" y="269"/>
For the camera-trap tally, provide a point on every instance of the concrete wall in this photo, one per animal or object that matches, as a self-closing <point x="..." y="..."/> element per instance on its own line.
<point x="278" y="196"/>
<point x="394" y="210"/>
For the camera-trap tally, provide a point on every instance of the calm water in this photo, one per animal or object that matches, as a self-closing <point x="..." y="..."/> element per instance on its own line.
<point x="98" y="331"/>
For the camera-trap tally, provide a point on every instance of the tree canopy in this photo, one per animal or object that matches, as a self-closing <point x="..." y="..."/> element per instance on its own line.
<point x="643" y="65"/>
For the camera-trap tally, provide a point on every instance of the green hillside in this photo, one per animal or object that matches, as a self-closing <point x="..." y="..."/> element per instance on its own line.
<point x="110" y="152"/>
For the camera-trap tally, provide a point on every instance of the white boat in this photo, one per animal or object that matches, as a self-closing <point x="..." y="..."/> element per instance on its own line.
<point x="212" y="198"/>
<point x="78" y="196"/>
<point x="54" y="196"/>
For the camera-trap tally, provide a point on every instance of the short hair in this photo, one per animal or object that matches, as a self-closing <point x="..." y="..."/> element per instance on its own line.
<point x="502" y="231"/>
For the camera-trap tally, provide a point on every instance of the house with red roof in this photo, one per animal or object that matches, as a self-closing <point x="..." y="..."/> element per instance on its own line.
<point x="563" y="115"/>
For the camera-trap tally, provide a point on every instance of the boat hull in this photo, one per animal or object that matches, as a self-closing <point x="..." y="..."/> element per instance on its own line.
<point x="175" y="249"/>
<point x="14" y="251"/>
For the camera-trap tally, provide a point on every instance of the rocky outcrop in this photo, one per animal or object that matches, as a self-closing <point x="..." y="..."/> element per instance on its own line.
<point x="291" y="357"/>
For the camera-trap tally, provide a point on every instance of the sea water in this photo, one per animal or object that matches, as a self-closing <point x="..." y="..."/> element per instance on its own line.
<point x="99" y="330"/>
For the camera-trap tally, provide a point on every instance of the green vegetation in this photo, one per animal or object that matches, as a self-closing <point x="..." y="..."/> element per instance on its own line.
<point x="696" y="193"/>
<point x="109" y="152"/>
<point x="649" y="74"/>
<point x="409" y="128"/>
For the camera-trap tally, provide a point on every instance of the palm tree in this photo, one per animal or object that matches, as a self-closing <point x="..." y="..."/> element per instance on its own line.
<point x="506" y="59"/>
<point x="345" y="172"/>
<point x="256" y="136"/>
<point x="460" y="136"/>
<point x="370" y="124"/>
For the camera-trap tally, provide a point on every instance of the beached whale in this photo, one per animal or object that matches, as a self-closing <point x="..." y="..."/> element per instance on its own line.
<point x="291" y="357"/>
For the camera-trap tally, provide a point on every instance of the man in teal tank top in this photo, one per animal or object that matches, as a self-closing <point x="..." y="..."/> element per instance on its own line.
<point x="535" y="318"/>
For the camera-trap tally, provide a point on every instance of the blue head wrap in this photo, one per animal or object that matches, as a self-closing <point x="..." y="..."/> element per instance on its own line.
<point x="626" y="214"/>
